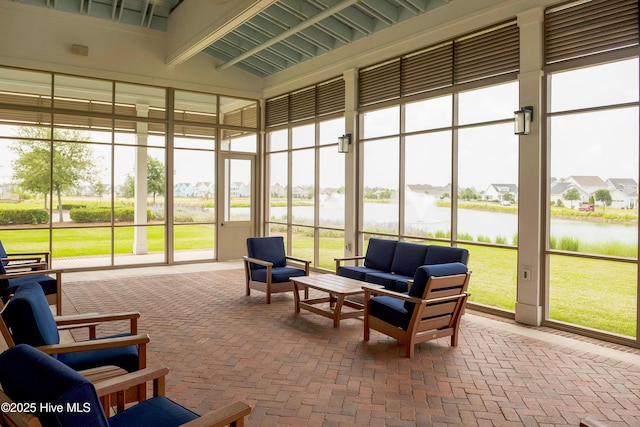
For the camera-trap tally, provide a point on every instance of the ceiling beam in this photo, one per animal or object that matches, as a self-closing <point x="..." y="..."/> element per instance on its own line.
<point x="190" y="31"/>
<point x="305" y="24"/>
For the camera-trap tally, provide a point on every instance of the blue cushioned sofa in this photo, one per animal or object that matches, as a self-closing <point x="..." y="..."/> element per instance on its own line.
<point x="391" y="263"/>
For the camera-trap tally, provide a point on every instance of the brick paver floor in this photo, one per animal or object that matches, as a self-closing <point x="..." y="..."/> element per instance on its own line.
<point x="297" y="370"/>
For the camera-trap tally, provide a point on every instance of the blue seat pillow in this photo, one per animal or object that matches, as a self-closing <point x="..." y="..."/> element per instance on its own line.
<point x="269" y="249"/>
<point x="278" y="274"/>
<point x="425" y="272"/>
<point x="380" y="254"/>
<point x="9" y="286"/>
<point x="408" y="257"/>
<point x="391" y="310"/>
<point x="158" y="411"/>
<point x="437" y="254"/>
<point x="355" y="272"/>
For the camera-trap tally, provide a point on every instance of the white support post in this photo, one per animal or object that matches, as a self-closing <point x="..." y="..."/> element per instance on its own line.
<point x="140" y="246"/>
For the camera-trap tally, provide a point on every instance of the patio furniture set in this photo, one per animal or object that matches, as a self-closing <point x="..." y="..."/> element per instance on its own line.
<point x="411" y="292"/>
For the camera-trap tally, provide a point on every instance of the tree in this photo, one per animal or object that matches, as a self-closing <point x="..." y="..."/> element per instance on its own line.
<point x="73" y="162"/>
<point x="571" y="195"/>
<point x="155" y="180"/>
<point x="603" y="195"/>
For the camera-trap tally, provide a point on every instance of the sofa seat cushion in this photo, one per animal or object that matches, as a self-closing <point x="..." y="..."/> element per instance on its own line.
<point x="124" y="357"/>
<point x="408" y="257"/>
<point x="356" y="272"/>
<point x="390" y="309"/>
<point x="388" y="280"/>
<point x="158" y="411"/>
<point x="278" y="274"/>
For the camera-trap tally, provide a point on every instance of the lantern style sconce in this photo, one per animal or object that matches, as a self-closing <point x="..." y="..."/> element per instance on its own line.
<point x="343" y="143"/>
<point x="522" y="120"/>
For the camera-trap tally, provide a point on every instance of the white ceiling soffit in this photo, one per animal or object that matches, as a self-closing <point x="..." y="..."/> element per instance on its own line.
<point x="261" y="37"/>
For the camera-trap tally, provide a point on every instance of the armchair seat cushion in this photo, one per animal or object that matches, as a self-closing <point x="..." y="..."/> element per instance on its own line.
<point x="278" y="274"/>
<point x="48" y="284"/>
<point x="390" y="309"/>
<point x="157" y="411"/>
<point x="394" y="282"/>
<point x="124" y="357"/>
<point x="355" y="272"/>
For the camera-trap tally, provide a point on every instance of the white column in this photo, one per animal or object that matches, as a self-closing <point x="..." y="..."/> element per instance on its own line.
<point x="351" y="160"/>
<point x="530" y="187"/>
<point x="140" y="246"/>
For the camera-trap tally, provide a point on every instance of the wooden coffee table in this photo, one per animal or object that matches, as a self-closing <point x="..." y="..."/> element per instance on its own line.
<point x="338" y="288"/>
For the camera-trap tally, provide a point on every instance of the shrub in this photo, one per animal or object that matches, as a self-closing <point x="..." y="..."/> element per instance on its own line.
<point x="501" y="240"/>
<point x="484" y="239"/>
<point x="24" y="216"/>
<point x="84" y="215"/>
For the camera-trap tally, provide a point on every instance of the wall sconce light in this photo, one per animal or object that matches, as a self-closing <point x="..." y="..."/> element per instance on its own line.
<point x="522" y="122"/>
<point x="343" y="143"/>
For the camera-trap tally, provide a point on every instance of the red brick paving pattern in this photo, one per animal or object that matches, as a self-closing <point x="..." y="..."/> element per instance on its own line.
<point x="296" y="370"/>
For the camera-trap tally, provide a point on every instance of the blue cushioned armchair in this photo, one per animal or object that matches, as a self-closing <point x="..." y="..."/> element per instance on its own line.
<point x="37" y="260"/>
<point x="28" y="375"/>
<point x="431" y="309"/>
<point x="27" y="319"/>
<point x="49" y="280"/>
<point x="268" y="268"/>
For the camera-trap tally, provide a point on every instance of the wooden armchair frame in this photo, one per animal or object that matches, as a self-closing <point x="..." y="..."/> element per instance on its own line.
<point x="433" y="316"/>
<point x="232" y="414"/>
<point x="38" y="270"/>
<point x="91" y="321"/>
<point x="269" y="287"/>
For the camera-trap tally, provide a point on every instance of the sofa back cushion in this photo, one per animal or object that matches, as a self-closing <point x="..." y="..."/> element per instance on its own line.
<point x="437" y="254"/>
<point x="380" y="254"/>
<point x="267" y="249"/>
<point x="408" y="257"/>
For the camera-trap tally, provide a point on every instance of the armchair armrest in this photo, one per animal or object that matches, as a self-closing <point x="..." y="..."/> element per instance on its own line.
<point x="339" y="261"/>
<point x="92" y="320"/>
<point x="228" y="415"/>
<point x="305" y="262"/>
<point x="371" y="290"/>
<point x="99" y="344"/>
<point x="12" y="275"/>
<point x="132" y="379"/>
<point x="248" y="260"/>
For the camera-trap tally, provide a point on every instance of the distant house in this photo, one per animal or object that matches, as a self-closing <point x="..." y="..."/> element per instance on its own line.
<point x="559" y="188"/>
<point x="239" y="189"/>
<point x="590" y="184"/>
<point x="498" y="191"/>
<point x="624" y="192"/>
<point x="299" y="193"/>
<point x="204" y="189"/>
<point x="278" y="190"/>
<point x="183" y="189"/>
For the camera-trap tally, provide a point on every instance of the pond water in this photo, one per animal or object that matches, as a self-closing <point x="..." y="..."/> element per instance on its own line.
<point x="423" y="214"/>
